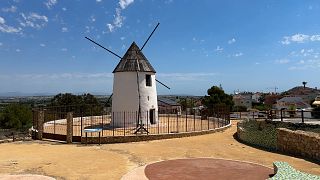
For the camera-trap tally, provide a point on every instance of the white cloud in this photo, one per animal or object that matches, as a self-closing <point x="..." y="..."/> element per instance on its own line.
<point x="64" y="49"/>
<point x="64" y="9"/>
<point x="125" y="3"/>
<point x="306" y="65"/>
<point x="282" y="61"/>
<point x="1" y="43"/>
<point x="50" y="3"/>
<point x="11" y="9"/>
<point x="98" y="1"/>
<point x="2" y="21"/>
<point x="64" y="29"/>
<point x="300" y="38"/>
<point x="315" y="38"/>
<point x="118" y="18"/>
<point x="18" y="50"/>
<point x="219" y="49"/>
<point x="117" y="21"/>
<point x="110" y="27"/>
<point x="92" y="18"/>
<point x="122" y="38"/>
<point x="286" y="40"/>
<point x="42" y="45"/>
<point x="238" y="54"/>
<point x="6" y="28"/>
<point x="59" y="77"/>
<point x="33" y="20"/>
<point x="231" y="41"/>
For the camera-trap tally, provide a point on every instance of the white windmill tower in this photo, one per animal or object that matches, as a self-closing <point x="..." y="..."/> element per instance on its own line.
<point x="134" y="98"/>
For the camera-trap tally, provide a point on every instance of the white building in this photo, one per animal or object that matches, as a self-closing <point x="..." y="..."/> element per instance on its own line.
<point x="134" y="90"/>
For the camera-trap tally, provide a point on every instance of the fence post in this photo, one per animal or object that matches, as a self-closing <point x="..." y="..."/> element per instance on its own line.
<point x="168" y="122"/>
<point x="186" y="119"/>
<point x="124" y="123"/>
<point x="159" y="124"/>
<point x="69" y="127"/>
<point x="302" y="116"/>
<point x="281" y="115"/>
<point x="177" y="122"/>
<point x="40" y="124"/>
<point x="54" y="120"/>
<point x="201" y="122"/>
<point x="112" y="119"/>
<point x="194" y="120"/>
<point x="81" y="123"/>
<point x="102" y="123"/>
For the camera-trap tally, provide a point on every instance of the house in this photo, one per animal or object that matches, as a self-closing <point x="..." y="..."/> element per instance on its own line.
<point x="316" y="101"/>
<point x="256" y="97"/>
<point x="243" y="99"/>
<point x="271" y="99"/>
<point x="294" y="103"/>
<point x="291" y="103"/>
<point x="168" y="106"/>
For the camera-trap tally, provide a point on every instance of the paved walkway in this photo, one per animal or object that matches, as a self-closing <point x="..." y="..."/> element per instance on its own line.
<point x="112" y="161"/>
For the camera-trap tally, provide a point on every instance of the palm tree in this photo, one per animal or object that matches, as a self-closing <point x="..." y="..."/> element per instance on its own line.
<point x="304" y="84"/>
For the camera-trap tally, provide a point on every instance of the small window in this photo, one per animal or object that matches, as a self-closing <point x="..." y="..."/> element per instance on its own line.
<point x="148" y="80"/>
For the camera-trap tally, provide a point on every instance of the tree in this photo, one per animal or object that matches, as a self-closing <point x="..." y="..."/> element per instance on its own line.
<point x="85" y="104"/>
<point x="16" y="116"/>
<point x="304" y="84"/>
<point x="186" y="103"/>
<point x="66" y="99"/>
<point x="217" y="98"/>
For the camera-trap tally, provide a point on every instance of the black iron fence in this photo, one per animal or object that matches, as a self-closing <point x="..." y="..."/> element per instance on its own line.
<point x="95" y="121"/>
<point x="295" y="116"/>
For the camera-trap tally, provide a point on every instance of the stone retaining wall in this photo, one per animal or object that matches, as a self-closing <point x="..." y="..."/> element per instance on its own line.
<point x="300" y="143"/>
<point x="296" y="139"/>
<point x="125" y="139"/>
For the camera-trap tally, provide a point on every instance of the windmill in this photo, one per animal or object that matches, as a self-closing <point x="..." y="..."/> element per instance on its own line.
<point x="134" y="88"/>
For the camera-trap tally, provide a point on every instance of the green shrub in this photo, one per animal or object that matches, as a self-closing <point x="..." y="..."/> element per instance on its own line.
<point x="16" y="116"/>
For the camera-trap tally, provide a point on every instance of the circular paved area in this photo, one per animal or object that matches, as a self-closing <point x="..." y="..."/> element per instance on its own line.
<point x="206" y="168"/>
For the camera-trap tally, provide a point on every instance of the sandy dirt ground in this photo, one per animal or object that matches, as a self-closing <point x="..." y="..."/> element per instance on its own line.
<point x="112" y="161"/>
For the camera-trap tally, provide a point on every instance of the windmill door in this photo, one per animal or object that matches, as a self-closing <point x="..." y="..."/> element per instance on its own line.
<point x="152" y="116"/>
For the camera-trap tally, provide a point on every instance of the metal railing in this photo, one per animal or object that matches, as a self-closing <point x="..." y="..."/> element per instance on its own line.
<point x="127" y="123"/>
<point x="295" y="116"/>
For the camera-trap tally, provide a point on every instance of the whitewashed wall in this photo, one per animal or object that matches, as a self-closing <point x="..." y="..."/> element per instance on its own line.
<point x="125" y="97"/>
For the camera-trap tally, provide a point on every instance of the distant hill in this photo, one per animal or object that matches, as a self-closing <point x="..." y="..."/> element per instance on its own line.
<point x="300" y="90"/>
<point x="307" y="94"/>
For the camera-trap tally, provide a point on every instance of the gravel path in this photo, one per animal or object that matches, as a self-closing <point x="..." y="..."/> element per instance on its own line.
<point x="112" y="161"/>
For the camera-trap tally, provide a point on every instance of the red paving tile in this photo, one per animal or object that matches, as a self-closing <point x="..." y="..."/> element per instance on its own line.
<point x="206" y="168"/>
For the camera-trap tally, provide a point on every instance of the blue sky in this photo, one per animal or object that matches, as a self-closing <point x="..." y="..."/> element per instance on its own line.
<point x="243" y="45"/>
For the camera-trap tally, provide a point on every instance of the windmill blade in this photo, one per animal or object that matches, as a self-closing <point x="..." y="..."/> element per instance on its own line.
<point x="162" y="84"/>
<point x="109" y="98"/>
<point x="150" y="36"/>
<point x="103" y="47"/>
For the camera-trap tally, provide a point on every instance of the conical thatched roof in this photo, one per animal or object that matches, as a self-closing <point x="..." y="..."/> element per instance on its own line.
<point x="134" y="60"/>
